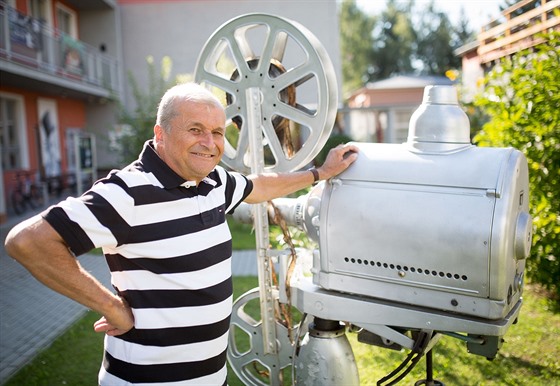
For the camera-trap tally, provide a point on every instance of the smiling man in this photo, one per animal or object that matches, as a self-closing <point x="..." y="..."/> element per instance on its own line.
<point x="162" y="227"/>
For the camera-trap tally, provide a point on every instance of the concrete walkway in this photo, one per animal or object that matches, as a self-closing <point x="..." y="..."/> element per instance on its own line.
<point x="32" y="316"/>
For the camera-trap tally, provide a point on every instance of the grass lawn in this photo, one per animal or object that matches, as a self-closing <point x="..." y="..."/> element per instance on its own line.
<point x="529" y="356"/>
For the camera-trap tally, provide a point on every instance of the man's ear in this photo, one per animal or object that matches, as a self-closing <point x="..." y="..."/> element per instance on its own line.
<point x="158" y="133"/>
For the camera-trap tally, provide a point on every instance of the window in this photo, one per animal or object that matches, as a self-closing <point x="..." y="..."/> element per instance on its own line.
<point x="39" y="9"/>
<point x="402" y="119"/>
<point x="9" y="142"/>
<point x="66" y="21"/>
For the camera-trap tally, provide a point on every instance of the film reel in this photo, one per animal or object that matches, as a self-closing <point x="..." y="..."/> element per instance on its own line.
<point x="296" y="83"/>
<point x="245" y="354"/>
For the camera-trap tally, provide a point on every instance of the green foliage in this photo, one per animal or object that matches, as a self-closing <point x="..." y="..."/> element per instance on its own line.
<point x="530" y="355"/>
<point x="437" y="40"/>
<point x="333" y="141"/>
<point x="298" y="238"/>
<point x="356" y="44"/>
<point x="407" y="37"/>
<point x="394" y="46"/>
<point x="242" y="235"/>
<point x="137" y="127"/>
<point x="522" y="97"/>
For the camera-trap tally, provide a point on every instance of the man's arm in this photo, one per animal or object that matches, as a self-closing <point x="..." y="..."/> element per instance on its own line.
<point x="41" y="250"/>
<point x="267" y="186"/>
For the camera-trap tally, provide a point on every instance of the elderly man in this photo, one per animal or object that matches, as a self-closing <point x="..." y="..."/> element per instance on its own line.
<point x="162" y="226"/>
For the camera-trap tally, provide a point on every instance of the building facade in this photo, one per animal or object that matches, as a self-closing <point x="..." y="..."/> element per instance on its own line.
<point x="65" y="65"/>
<point x="60" y="72"/>
<point x="380" y="111"/>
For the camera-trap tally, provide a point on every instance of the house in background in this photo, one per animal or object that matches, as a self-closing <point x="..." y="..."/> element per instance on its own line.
<point x="59" y="79"/>
<point x="380" y="111"/>
<point x="64" y="67"/>
<point x="518" y="28"/>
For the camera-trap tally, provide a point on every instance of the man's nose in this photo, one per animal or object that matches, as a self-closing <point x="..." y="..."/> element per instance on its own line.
<point x="207" y="140"/>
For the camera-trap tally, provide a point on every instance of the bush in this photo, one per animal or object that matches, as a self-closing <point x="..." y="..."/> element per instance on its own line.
<point x="333" y="141"/>
<point x="522" y="99"/>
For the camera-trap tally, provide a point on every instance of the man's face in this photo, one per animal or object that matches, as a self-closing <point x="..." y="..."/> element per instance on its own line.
<point x="195" y="143"/>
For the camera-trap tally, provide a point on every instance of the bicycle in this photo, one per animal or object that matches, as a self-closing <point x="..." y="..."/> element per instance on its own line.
<point x="26" y="193"/>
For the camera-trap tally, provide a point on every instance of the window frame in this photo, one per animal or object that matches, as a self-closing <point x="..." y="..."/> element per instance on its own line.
<point x="72" y="18"/>
<point x="20" y="126"/>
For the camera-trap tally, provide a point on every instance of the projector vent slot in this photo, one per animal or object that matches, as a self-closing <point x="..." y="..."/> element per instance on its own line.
<point x="406" y="268"/>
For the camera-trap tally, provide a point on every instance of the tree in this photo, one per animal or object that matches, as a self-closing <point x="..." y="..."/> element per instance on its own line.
<point x="463" y="33"/>
<point x="438" y="39"/>
<point x="522" y="99"/>
<point x="389" y="44"/>
<point x="356" y="45"/>
<point x="394" y="46"/>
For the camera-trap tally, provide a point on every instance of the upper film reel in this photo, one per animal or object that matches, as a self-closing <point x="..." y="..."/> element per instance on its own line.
<point x="296" y="85"/>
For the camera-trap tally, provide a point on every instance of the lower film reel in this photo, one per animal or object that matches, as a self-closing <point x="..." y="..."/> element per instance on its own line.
<point x="296" y="84"/>
<point x="245" y="350"/>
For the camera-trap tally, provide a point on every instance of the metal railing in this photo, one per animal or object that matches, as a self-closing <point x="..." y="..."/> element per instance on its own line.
<point x="29" y="42"/>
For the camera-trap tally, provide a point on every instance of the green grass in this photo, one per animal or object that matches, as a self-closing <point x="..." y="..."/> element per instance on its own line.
<point x="75" y="357"/>
<point x="529" y="356"/>
<point x="242" y="235"/>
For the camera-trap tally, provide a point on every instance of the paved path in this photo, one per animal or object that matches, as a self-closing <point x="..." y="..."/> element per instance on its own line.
<point x="32" y="316"/>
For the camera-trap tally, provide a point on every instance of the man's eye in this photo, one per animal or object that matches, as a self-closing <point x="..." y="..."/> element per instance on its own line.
<point x="194" y="130"/>
<point x="218" y="133"/>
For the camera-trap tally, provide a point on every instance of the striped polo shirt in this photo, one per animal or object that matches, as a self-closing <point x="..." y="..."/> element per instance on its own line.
<point x="168" y="246"/>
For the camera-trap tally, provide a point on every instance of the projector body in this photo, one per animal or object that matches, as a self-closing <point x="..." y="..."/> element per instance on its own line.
<point x="447" y="230"/>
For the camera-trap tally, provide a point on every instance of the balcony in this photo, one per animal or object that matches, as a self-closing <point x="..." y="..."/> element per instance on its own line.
<point x="38" y="57"/>
<point x="518" y="30"/>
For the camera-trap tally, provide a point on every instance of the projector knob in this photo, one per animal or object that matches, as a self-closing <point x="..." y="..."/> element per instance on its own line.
<point x="523" y="236"/>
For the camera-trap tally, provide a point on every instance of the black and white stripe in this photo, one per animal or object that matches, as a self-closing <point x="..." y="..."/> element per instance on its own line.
<point x="168" y="247"/>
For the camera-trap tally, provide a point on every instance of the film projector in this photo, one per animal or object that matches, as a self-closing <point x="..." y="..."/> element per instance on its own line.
<point x="415" y="241"/>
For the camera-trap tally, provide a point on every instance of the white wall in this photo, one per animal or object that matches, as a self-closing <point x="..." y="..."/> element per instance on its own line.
<point x="179" y="29"/>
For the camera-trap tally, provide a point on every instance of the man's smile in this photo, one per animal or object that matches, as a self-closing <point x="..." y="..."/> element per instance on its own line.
<point x="204" y="155"/>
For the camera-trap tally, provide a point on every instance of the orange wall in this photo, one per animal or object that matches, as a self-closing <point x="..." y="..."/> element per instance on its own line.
<point x="67" y="6"/>
<point x="389" y="97"/>
<point x="21" y="5"/>
<point x="396" y="96"/>
<point x="71" y="114"/>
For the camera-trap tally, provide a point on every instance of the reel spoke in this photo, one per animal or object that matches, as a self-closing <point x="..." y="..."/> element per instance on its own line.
<point x="245" y="349"/>
<point x="296" y="81"/>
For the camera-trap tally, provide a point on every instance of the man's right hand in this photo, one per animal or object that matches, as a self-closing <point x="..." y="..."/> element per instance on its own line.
<point x="119" y="323"/>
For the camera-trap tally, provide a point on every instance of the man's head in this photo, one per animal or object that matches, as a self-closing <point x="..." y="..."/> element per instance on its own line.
<point x="189" y="131"/>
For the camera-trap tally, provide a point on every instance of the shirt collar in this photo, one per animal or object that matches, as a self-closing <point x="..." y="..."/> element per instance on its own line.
<point x="168" y="178"/>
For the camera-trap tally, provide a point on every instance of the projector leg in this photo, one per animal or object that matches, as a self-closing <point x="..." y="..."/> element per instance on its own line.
<point x="325" y="357"/>
<point x="429" y="381"/>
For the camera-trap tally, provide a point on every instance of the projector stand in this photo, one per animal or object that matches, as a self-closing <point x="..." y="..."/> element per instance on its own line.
<point x="429" y="381"/>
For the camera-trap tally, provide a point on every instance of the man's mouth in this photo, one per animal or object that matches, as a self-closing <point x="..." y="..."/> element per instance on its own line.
<point x="204" y="155"/>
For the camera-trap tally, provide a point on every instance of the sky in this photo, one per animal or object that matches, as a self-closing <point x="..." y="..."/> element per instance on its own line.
<point x="479" y="12"/>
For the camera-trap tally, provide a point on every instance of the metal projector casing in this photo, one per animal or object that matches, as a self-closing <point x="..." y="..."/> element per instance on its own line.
<point x="435" y="222"/>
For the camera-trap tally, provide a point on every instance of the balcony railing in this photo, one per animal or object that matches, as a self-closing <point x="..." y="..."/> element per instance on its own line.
<point x="29" y="42"/>
<point x="514" y="32"/>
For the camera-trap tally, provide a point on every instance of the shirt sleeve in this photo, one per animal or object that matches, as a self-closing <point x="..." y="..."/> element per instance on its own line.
<point x="238" y="187"/>
<point x="89" y="221"/>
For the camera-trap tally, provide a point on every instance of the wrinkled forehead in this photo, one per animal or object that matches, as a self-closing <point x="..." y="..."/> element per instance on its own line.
<point x="204" y="114"/>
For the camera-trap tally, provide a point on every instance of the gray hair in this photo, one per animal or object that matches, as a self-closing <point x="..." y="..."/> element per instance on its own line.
<point x="185" y="92"/>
